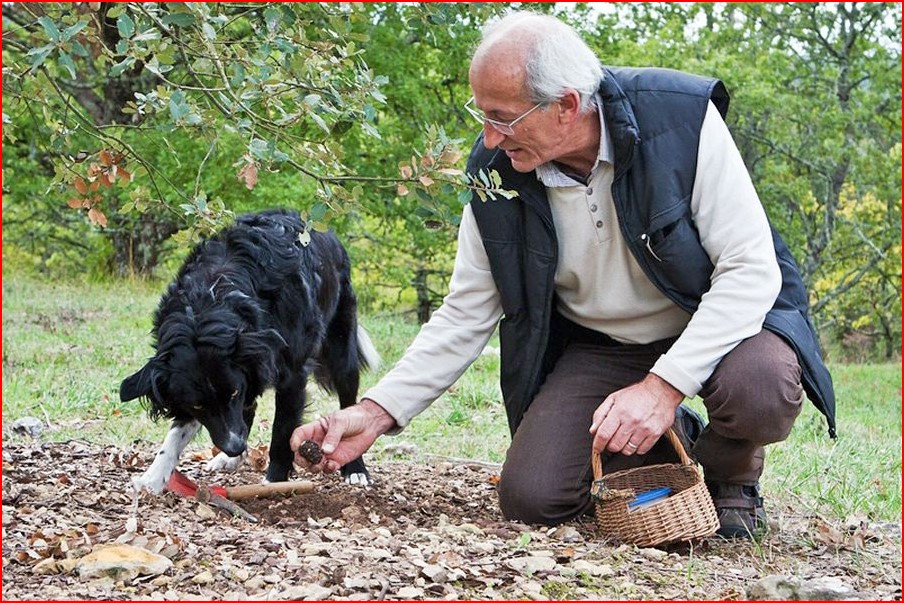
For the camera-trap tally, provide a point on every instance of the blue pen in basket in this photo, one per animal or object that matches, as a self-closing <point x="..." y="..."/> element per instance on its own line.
<point x="648" y="498"/>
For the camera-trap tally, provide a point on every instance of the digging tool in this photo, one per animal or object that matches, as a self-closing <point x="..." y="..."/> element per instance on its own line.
<point x="180" y="484"/>
<point x="224" y="497"/>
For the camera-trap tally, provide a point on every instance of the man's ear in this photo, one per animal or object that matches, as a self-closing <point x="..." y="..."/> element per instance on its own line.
<point x="137" y="385"/>
<point x="569" y="105"/>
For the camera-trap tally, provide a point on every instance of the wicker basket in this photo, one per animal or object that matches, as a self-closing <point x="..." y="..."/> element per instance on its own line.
<point x="686" y="514"/>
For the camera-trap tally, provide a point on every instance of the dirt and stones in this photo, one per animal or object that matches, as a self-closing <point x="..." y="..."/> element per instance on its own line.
<point x="425" y="530"/>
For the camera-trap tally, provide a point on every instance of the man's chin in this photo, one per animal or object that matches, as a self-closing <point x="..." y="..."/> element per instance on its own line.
<point x="521" y="160"/>
<point x="523" y="166"/>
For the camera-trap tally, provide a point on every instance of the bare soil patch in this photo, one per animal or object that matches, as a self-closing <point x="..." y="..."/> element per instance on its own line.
<point x="425" y="530"/>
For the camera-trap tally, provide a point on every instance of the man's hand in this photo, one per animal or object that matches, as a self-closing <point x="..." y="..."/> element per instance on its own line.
<point x="632" y="419"/>
<point x="343" y="436"/>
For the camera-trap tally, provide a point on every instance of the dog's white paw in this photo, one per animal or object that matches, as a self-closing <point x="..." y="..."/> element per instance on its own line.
<point x="224" y="462"/>
<point x="152" y="481"/>
<point x="358" y="479"/>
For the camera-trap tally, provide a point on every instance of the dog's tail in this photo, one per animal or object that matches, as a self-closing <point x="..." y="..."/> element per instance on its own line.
<point x="368" y="354"/>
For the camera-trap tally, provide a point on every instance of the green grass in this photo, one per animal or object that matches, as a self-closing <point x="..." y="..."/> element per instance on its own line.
<point x="860" y="472"/>
<point x="67" y="346"/>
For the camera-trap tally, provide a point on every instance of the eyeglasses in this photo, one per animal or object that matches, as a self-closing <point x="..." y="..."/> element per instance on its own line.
<point x="500" y="126"/>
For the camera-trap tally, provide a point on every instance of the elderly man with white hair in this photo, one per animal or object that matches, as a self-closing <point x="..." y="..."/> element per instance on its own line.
<point x="635" y="268"/>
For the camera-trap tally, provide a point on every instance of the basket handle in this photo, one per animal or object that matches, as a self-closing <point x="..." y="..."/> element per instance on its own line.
<point x="597" y="459"/>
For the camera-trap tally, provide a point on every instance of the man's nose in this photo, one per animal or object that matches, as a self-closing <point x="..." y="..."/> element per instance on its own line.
<point x="491" y="136"/>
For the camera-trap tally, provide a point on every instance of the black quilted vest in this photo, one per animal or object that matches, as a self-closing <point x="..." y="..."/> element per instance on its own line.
<point x="654" y="117"/>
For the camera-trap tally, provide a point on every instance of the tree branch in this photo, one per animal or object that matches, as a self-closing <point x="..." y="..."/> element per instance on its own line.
<point x="103" y="135"/>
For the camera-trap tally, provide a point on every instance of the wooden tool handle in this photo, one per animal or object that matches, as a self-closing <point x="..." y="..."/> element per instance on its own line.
<point x="272" y="489"/>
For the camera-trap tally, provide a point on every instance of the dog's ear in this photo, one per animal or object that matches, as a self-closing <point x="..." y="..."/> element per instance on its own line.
<point x="259" y="349"/>
<point x="254" y="343"/>
<point x="137" y="385"/>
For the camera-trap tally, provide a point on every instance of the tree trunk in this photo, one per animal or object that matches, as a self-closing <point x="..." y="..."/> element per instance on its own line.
<point x="138" y="244"/>
<point x="424" y="307"/>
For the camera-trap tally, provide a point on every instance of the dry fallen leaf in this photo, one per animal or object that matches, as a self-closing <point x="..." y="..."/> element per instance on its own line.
<point x="854" y="537"/>
<point x="205" y="455"/>
<point x="259" y="457"/>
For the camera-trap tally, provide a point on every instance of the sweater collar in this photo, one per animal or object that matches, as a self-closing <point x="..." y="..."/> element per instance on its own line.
<point x="619" y="134"/>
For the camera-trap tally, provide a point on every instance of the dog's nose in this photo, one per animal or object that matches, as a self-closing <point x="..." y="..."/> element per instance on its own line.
<point x="234" y="445"/>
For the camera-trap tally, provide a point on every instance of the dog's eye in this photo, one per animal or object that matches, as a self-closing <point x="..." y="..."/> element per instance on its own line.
<point x="234" y="395"/>
<point x="197" y="407"/>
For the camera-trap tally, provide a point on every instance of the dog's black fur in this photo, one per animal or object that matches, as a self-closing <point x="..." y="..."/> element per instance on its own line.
<point x="255" y="307"/>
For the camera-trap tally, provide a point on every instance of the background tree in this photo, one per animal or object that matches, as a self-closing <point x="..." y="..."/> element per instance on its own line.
<point x="151" y="119"/>
<point x="408" y="242"/>
<point x="180" y="95"/>
<point x="816" y="111"/>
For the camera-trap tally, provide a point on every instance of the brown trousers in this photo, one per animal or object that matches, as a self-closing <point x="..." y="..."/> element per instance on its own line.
<point x="752" y="399"/>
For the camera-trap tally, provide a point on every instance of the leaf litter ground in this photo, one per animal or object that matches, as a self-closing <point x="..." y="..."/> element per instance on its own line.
<point x="427" y="529"/>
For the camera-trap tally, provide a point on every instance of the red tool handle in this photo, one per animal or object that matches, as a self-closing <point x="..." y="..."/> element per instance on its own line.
<point x="183" y="486"/>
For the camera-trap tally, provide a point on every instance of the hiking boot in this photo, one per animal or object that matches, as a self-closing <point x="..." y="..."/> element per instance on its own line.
<point x="740" y="510"/>
<point x="687" y="426"/>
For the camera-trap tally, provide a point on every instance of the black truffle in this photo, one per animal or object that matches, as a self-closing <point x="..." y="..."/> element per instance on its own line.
<point x="311" y="451"/>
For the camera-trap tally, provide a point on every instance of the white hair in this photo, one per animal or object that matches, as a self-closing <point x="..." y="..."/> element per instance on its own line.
<point x="556" y="58"/>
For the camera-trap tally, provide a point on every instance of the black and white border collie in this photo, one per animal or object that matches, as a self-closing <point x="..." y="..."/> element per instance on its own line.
<point x="261" y="304"/>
